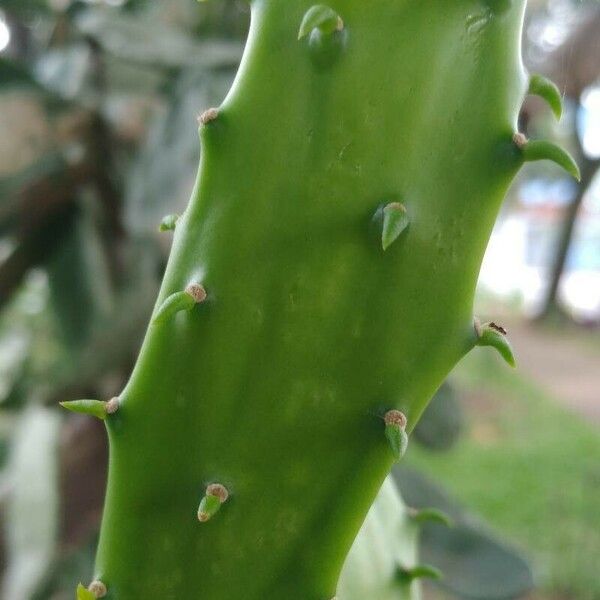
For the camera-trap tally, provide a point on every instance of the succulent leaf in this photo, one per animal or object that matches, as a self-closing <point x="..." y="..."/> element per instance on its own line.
<point x="94" y="408"/>
<point x="168" y="223"/>
<point x="180" y="301"/>
<point x="548" y="90"/>
<point x="431" y="515"/>
<point x="84" y="594"/>
<point x="215" y="496"/>
<point x="395" y="222"/>
<point x="419" y="572"/>
<point x="320" y="17"/>
<point x="542" y="150"/>
<point x="494" y="336"/>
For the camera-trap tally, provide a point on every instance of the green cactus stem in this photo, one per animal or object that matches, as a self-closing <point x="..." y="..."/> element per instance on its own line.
<point x="94" y="408"/>
<point x="532" y="151"/>
<point x="494" y="336"/>
<point x="275" y="387"/>
<point x="548" y="90"/>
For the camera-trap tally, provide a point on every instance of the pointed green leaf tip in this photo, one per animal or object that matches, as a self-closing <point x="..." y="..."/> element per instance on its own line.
<point x="320" y="17"/>
<point x="93" y="408"/>
<point x="216" y="495"/>
<point x="490" y="334"/>
<point x="168" y="223"/>
<point x="430" y="515"/>
<point x="419" y="572"/>
<point x="541" y="150"/>
<point x="546" y="89"/>
<point x="84" y="594"/>
<point x="186" y="300"/>
<point x="95" y="590"/>
<point x="395" y="221"/>
<point x="395" y="432"/>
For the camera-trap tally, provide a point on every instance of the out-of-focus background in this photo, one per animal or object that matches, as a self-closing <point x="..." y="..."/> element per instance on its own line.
<point x="98" y="141"/>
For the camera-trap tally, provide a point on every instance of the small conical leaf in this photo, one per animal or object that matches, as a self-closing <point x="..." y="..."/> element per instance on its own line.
<point x="419" y="572"/>
<point x="84" y="594"/>
<point x="168" y="223"/>
<point x="216" y="495"/>
<point x="490" y="334"/>
<point x="173" y="304"/>
<point x="398" y="439"/>
<point x="546" y="89"/>
<point x="209" y="507"/>
<point x="431" y="515"/>
<point x="94" y="408"/>
<point x="395" y="221"/>
<point x="542" y="150"/>
<point x="320" y="17"/>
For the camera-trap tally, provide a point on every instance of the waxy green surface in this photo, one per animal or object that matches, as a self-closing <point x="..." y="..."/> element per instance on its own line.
<point x="277" y="384"/>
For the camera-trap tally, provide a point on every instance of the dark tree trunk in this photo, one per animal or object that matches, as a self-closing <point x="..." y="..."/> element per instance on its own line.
<point x="550" y="305"/>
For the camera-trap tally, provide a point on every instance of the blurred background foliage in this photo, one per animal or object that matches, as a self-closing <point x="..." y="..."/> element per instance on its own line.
<point x="98" y="141"/>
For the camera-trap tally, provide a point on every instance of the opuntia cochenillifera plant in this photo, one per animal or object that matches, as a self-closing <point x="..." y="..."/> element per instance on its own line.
<point x="319" y="291"/>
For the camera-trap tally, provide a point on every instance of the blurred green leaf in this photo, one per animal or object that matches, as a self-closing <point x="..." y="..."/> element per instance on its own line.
<point x="67" y="571"/>
<point x="25" y="8"/>
<point x="387" y="541"/>
<point x="19" y="76"/>
<point x="51" y="166"/>
<point x="126" y="37"/>
<point x="161" y="178"/>
<point x="14" y="349"/>
<point x="33" y="507"/>
<point x="84" y="594"/>
<point x="475" y="563"/>
<point x="442" y="422"/>
<point x="14" y="74"/>
<point x="115" y="338"/>
<point x="80" y="288"/>
<point x="65" y="70"/>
